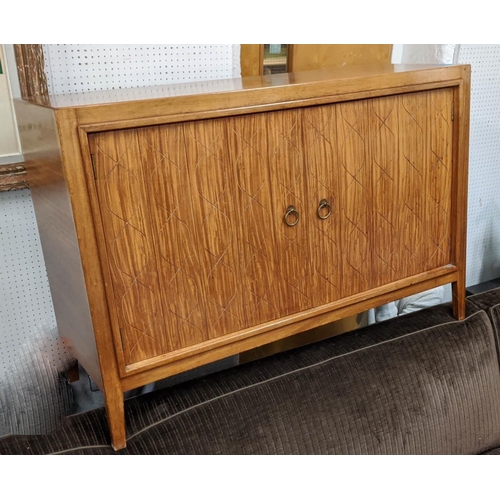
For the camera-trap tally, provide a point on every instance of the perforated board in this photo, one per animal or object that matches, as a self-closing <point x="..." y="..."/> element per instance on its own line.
<point x="82" y="68"/>
<point x="483" y="233"/>
<point x="26" y="307"/>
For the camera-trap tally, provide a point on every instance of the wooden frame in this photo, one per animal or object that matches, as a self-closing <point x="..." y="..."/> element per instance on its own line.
<point x="56" y="139"/>
<point x="13" y="177"/>
<point x="31" y="70"/>
<point x="305" y="57"/>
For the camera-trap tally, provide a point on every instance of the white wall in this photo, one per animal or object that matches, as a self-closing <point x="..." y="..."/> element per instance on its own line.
<point x="483" y="234"/>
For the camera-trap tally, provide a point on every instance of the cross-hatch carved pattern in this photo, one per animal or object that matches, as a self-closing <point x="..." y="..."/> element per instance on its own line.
<point x="211" y="173"/>
<point x="351" y="123"/>
<point x="285" y="160"/>
<point x="383" y="127"/>
<point x="440" y="177"/>
<point x="168" y="185"/>
<point x="318" y="132"/>
<point x="129" y="247"/>
<point x="195" y="231"/>
<point x="412" y="144"/>
<point x="256" y="223"/>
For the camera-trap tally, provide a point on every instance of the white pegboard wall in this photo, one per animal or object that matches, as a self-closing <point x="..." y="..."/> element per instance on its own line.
<point x="483" y="233"/>
<point x="82" y="68"/>
<point x="26" y="307"/>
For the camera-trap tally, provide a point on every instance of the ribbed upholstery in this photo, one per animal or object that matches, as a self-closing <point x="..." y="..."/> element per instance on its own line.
<point x="490" y="302"/>
<point x="418" y="384"/>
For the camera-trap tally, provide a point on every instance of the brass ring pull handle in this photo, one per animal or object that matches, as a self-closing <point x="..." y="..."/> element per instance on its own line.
<point x="291" y="216"/>
<point x="322" y="205"/>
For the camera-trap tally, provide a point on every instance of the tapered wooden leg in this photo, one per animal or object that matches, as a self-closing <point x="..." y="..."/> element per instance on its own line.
<point x="116" y="419"/>
<point x="458" y="294"/>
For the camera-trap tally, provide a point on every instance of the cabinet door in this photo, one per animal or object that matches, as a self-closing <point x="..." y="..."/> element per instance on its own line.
<point x="260" y="288"/>
<point x="288" y="185"/>
<point x="135" y="287"/>
<point x="266" y="157"/>
<point x="165" y="196"/>
<point x="410" y="158"/>
<point x="385" y="167"/>
<point x="215" y="223"/>
<point x="355" y="192"/>
<point x="323" y="183"/>
<point x="169" y="200"/>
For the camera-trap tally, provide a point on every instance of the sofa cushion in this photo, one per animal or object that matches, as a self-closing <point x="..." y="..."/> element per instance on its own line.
<point x="489" y="301"/>
<point x="418" y="384"/>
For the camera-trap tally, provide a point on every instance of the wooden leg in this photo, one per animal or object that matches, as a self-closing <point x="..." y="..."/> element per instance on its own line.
<point x="458" y="294"/>
<point x="116" y="419"/>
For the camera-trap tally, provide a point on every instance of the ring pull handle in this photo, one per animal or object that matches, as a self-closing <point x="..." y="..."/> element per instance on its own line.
<point x="322" y="205"/>
<point x="292" y="216"/>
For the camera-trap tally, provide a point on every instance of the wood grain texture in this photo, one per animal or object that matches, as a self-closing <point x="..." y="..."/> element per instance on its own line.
<point x="175" y="234"/>
<point x="129" y="241"/>
<point x="215" y="192"/>
<point x="320" y="148"/>
<point x="248" y="151"/>
<point x="278" y="90"/>
<point x="182" y="241"/>
<point x="387" y="262"/>
<point x="413" y="176"/>
<point x="307" y="57"/>
<point x="251" y="56"/>
<point x="232" y="344"/>
<point x="77" y="174"/>
<point x="13" y="177"/>
<point x="356" y="194"/>
<point x="288" y="188"/>
<point x="439" y="177"/>
<point x="31" y="71"/>
<point x="460" y="152"/>
<point x="214" y="213"/>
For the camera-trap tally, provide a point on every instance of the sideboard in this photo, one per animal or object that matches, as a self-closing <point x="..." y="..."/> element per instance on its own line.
<point x="186" y="223"/>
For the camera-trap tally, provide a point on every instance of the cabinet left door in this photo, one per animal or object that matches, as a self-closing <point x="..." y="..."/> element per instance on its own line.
<point x="144" y="198"/>
<point x="133" y="280"/>
<point x="169" y="231"/>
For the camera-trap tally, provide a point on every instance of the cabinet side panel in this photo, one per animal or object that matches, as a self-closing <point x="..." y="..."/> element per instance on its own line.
<point x="215" y="221"/>
<point x="355" y="189"/>
<point x="170" y="205"/>
<point x="320" y="146"/>
<point x="439" y="182"/>
<point x="127" y="231"/>
<point x="289" y="189"/>
<point x="257" y="245"/>
<point x="54" y="214"/>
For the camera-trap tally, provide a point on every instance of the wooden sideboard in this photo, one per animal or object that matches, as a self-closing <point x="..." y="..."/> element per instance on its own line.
<point x="186" y="223"/>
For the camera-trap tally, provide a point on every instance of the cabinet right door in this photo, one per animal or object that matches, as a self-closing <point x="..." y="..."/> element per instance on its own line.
<point x="385" y="167"/>
<point x="413" y="192"/>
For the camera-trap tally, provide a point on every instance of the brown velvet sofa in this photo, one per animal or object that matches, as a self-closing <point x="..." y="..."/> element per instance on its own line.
<point x="417" y="384"/>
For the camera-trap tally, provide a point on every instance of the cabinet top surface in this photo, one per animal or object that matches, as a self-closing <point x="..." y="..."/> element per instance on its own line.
<point x="333" y="81"/>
